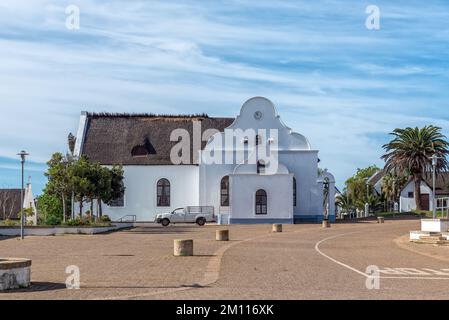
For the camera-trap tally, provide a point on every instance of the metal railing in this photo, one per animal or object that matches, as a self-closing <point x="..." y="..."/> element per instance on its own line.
<point x="133" y="218"/>
<point x="443" y="206"/>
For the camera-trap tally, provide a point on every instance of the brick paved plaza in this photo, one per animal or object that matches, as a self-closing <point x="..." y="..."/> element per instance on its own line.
<point x="303" y="262"/>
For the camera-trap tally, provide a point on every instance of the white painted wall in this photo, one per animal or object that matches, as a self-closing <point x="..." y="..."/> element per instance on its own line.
<point x="200" y="185"/>
<point x="140" y="194"/>
<point x="294" y="152"/>
<point x="303" y="164"/>
<point x="279" y="196"/>
<point x="408" y="204"/>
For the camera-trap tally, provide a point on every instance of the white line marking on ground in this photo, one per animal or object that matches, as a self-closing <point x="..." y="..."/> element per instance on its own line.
<point x="317" y="249"/>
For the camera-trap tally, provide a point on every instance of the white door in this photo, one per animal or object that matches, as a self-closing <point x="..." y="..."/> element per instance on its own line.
<point x="178" y="215"/>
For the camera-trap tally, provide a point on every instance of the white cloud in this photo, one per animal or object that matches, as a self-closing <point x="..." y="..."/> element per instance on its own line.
<point x="332" y="79"/>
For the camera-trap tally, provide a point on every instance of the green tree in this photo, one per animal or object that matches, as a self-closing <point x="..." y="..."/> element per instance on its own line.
<point x="59" y="179"/>
<point x="50" y="208"/>
<point x="344" y="203"/>
<point x="374" y="202"/>
<point x="91" y="182"/>
<point x="112" y="186"/>
<point x="392" y="184"/>
<point x="411" y="150"/>
<point x="81" y="181"/>
<point x="356" y="187"/>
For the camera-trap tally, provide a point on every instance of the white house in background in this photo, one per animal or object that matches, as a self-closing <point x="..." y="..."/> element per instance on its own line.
<point x="407" y="201"/>
<point x="376" y="181"/>
<point x="248" y="189"/>
<point x="30" y="205"/>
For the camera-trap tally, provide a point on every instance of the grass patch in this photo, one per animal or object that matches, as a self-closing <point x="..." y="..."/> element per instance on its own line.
<point x="390" y="214"/>
<point x="429" y="214"/>
<point x="92" y="225"/>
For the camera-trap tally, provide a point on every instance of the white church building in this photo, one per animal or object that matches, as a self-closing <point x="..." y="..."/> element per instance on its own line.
<point x="251" y="169"/>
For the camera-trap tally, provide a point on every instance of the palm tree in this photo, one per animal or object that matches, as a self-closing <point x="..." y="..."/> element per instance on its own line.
<point x="392" y="185"/>
<point x="410" y="151"/>
<point x="343" y="201"/>
<point x="373" y="201"/>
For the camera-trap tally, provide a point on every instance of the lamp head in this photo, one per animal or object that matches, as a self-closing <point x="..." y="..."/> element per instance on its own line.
<point x="434" y="159"/>
<point x="23" y="154"/>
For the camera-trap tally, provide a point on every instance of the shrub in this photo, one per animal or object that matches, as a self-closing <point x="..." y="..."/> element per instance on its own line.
<point x="50" y="208"/>
<point x="423" y="213"/>
<point x="79" y="222"/>
<point x="105" y="218"/>
<point x="11" y="223"/>
<point x="52" y="221"/>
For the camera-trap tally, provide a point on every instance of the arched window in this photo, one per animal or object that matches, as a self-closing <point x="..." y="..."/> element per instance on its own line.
<point x="224" y="192"/>
<point x="261" y="202"/>
<point x="294" y="191"/>
<point x="163" y="193"/>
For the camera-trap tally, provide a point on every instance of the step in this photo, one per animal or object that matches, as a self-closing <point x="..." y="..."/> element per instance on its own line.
<point x="432" y="238"/>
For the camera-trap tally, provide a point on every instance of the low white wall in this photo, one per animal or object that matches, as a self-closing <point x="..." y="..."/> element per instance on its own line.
<point x="51" y="231"/>
<point x="435" y="225"/>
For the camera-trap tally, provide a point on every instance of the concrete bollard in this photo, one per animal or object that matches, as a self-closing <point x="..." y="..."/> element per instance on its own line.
<point x="326" y="224"/>
<point x="380" y="219"/>
<point x="183" y="248"/>
<point x="277" y="228"/>
<point x="222" y="235"/>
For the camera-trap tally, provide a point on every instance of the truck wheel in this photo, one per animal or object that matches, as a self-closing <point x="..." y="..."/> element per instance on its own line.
<point x="165" y="222"/>
<point x="200" y="221"/>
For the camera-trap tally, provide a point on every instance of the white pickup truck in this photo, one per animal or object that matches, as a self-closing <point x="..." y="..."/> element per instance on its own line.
<point x="191" y="214"/>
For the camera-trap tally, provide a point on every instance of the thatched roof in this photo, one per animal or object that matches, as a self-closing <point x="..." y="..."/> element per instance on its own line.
<point x="9" y="203"/>
<point x="441" y="183"/>
<point x="139" y="139"/>
<point x="376" y="177"/>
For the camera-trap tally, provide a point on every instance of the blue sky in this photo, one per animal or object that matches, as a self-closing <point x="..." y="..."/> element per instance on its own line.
<point x="343" y="86"/>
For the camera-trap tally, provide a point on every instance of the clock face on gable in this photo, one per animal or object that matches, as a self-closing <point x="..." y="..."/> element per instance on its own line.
<point x="258" y="115"/>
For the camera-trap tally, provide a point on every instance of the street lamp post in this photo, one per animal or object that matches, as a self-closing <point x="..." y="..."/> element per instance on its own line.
<point x="434" y="172"/>
<point x="22" y="155"/>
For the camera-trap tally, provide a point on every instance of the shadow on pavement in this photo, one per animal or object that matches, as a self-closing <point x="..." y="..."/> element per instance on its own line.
<point x="161" y="230"/>
<point x="399" y="217"/>
<point x="39" y="286"/>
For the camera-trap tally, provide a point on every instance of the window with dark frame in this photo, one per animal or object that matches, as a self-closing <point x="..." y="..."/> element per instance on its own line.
<point x="411" y="195"/>
<point x="224" y="192"/>
<point x="294" y="191"/>
<point x="261" y="202"/>
<point x="163" y="193"/>
<point x="119" y="202"/>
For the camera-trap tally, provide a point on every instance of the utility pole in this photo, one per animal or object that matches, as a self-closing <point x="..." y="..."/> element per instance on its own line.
<point x="434" y="173"/>
<point x="22" y="155"/>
